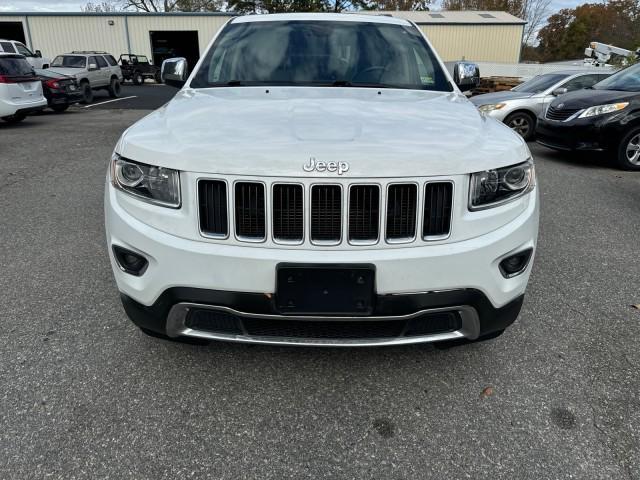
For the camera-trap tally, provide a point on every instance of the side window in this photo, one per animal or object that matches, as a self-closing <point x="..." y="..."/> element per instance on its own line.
<point x="583" y="81"/>
<point x="142" y="59"/>
<point x="7" y="47"/>
<point x="22" y="50"/>
<point x="102" y="63"/>
<point x="92" y="60"/>
<point x="110" y="60"/>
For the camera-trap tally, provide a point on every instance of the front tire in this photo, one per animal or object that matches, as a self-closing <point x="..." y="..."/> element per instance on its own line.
<point x="158" y="77"/>
<point x="114" y="88"/>
<point x="14" y="118"/>
<point x="87" y="92"/>
<point x="522" y="123"/>
<point x="629" y="151"/>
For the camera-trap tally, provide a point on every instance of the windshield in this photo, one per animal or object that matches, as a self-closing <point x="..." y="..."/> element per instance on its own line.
<point x="627" y="80"/>
<point x="540" y="83"/>
<point x="323" y="53"/>
<point x="69" y="61"/>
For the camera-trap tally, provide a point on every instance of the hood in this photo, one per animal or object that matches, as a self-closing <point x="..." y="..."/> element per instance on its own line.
<point x="585" y="98"/>
<point x="275" y="131"/>
<point x="497" y="97"/>
<point x="69" y="72"/>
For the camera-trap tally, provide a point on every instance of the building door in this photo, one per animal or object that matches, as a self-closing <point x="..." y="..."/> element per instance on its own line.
<point x="12" y="31"/>
<point x="174" y="43"/>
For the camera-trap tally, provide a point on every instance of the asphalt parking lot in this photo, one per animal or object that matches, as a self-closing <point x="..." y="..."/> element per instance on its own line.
<point x="84" y="394"/>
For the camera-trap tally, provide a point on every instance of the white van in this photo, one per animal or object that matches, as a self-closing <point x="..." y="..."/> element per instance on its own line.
<point x="20" y="89"/>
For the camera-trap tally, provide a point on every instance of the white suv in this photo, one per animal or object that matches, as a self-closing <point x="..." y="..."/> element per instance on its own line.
<point x="321" y="180"/>
<point x="36" y="60"/>
<point x="92" y="70"/>
<point x="20" y="89"/>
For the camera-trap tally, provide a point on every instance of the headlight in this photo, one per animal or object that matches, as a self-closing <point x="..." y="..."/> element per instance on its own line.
<point x="602" y="109"/>
<point x="495" y="187"/>
<point x="158" y="185"/>
<point x="491" y="107"/>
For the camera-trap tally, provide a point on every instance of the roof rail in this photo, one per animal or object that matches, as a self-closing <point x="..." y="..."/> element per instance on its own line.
<point x="90" y="51"/>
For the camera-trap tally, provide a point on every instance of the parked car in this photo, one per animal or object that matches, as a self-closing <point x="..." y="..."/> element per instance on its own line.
<point x="20" y="88"/>
<point x="605" y="118"/>
<point x="59" y="90"/>
<point x="137" y="67"/>
<point x="36" y="60"/>
<point x="321" y="180"/>
<point x="93" y="71"/>
<point x="519" y="107"/>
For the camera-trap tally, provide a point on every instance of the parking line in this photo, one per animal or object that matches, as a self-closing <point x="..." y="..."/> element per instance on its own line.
<point x="109" y="101"/>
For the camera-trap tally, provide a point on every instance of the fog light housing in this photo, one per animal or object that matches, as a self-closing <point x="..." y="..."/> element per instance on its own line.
<point x="130" y="262"/>
<point x="515" y="264"/>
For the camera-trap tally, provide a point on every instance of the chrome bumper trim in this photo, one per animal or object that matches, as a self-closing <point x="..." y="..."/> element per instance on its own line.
<point x="177" y="315"/>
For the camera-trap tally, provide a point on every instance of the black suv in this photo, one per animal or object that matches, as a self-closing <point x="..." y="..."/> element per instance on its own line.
<point x="605" y="117"/>
<point x="137" y="67"/>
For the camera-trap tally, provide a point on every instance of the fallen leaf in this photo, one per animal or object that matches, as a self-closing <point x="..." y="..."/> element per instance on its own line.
<point x="487" y="392"/>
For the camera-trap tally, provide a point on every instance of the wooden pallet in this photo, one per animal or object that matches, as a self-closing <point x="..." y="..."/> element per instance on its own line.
<point x="496" y="84"/>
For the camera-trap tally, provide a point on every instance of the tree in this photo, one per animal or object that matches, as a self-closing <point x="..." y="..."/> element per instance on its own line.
<point x="396" y="5"/>
<point x="100" y="7"/>
<point x="570" y="31"/>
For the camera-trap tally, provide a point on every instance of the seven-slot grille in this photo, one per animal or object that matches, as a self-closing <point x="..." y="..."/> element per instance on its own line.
<point x="561" y="114"/>
<point x="323" y="213"/>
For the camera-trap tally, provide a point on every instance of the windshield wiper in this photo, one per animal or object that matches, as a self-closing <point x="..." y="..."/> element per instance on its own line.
<point x="347" y="83"/>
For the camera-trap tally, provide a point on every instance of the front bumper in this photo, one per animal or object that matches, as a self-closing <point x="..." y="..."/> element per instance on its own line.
<point x="461" y="278"/>
<point x="60" y="98"/>
<point x="583" y="135"/>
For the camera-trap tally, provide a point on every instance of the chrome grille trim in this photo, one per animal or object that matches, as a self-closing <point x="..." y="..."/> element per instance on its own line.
<point x="178" y="314"/>
<point x="307" y="184"/>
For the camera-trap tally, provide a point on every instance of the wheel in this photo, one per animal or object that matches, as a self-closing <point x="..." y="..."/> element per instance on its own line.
<point x="14" y="118"/>
<point x="629" y="151"/>
<point x="158" y="77"/>
<point x="87" y="93"/>
<point x="447" y="344"/>
<point x="59" y="108"/>
<point x="522" y="123"/>
<point x="137" y="78"/>
<point x="114" y="88"/>
<point x="189" y="340"/>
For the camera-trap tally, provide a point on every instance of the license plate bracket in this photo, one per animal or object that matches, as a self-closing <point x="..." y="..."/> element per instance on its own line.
<point x="347" y="290"/>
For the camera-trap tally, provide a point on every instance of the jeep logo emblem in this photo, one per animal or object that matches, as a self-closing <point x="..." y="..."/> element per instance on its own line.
<point x="332" y="167"/>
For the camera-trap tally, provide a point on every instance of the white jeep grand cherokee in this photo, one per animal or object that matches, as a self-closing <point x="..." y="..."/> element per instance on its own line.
<point x="321" y="180"/>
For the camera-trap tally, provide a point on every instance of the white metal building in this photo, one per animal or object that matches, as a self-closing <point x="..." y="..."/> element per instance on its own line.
<point x="478" y="36"/>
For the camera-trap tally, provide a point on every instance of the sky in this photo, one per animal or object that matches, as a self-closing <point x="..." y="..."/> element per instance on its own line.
<point x="75" y="5"/>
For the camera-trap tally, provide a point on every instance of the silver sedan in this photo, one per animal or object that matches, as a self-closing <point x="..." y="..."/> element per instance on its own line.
<point x="519" y="107"/>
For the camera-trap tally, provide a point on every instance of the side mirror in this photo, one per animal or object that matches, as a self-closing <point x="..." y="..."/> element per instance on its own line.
<point x="559" y="91"/>
<point x="174" y="72"/>
<point x="466" y="75"/>
<point x="38" y="54"/>
<point x="92" y="67"/>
